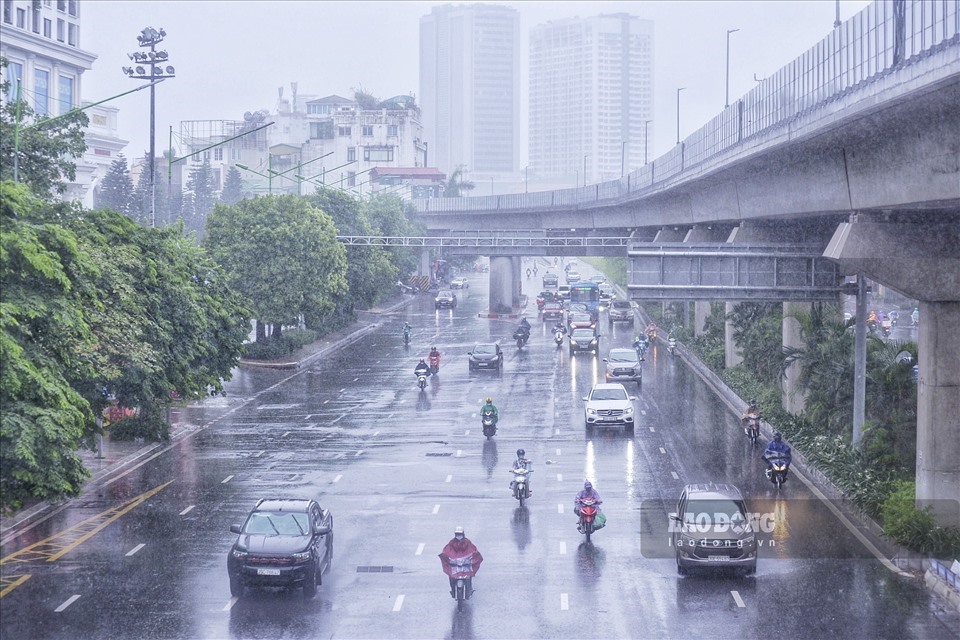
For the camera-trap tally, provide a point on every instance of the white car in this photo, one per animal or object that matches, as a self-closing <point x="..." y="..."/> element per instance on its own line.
<point x="609" y="404"/>
<point x="459" y="283"/>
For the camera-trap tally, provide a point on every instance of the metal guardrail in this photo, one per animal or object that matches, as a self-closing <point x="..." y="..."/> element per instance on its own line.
<point x="884" y="36"/>
<point x="944" y="572"/>
<point x="482" y="241"/>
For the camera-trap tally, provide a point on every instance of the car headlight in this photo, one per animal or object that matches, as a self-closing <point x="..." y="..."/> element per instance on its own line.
<point x="303" y="556"/>
<point x="591" y="412"/>
<point x="629" y="410"/>
<point x="239" y="555"/>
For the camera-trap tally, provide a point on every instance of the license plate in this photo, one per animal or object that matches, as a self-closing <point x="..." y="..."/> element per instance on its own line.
<point x="268" y="572"/>
<point x="718" y="558"/>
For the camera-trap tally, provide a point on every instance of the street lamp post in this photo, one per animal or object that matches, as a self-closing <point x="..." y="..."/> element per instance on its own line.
<point x="678" y="113"/>
<point x="623" y="147"/>
<point x="526" y="179"/>
<point x="726" y="102"/>
<point x="645" y="123"/>
<point x="585" y="169"/>
<point x="151" y="37"/>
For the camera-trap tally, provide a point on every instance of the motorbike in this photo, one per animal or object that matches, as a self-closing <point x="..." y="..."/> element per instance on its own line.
<point x="461" y="570"/>
<point x="640" y="346"/>
<point x="489" y="422"/>
<point x="558" y="337"/>
<point x="434" y="364"/>
<point x="521" y="337"/>
<point x="777" y="473"/>
<point x="406" y="337"/>
<point x="521" y="489"/>
<point x="672" y="346"/>
<point x="886" y="326"/>
<point x="751" y="427"/>
<point x="422" y="381"/>
<point x="590" y="518"/>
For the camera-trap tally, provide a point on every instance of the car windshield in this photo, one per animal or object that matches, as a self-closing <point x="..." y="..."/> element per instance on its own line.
<point x="445" y="294"/>
<point x="621" y="304"/>
<point x="580" y="317"/>
<point x="485" y="348"/>
<point x="609" y="394"/>
<point x="622" y="355"/>
<point x="714" y="511"/>
<point x="277" y="524"/>
<point x="582" y="332"/>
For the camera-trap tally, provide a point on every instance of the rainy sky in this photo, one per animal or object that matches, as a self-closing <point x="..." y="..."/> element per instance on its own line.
<point x="233" y="56"/>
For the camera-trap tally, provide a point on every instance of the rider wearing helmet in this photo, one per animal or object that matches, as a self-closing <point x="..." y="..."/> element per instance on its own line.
<point x="588" y="493"/>
<point x="521" y="463"/>
<point x="434" y="353"/>
<point x="422" y="368"/>
<point x="489" y="406"/>
<point x="776" y="448"/>
<point x="460" y="547"/>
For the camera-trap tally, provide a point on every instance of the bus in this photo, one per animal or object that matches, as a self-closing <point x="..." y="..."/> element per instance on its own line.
<point x="587" y="294"/>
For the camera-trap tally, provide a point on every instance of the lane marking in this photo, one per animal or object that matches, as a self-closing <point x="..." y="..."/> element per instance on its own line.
<point x="399" y="603"/>
<point x="436" y="509"/>
<point x="337" y="479"/>
<point x="376" y="433"/>
<point x="259" y="453"/>
<point x="135" y="549"/>
<point x="226" y="480"/>
<point x="326" y="401"/>
<point x="449" y="478"/>
<point x="338" y="419"/>
<point x="285" y="434"/>
<point x="307" y="419"/>
<point x="355" y="379"/>
<point x="559" y="508"/>
<point x="674" y="474"/>
<point x="559" y="477"/>
<point x="420" y="548"/>
<point x="467" y="432"/>
<point x="652" y="430"/>
<point x="187" y="510"/>
<point x="738" y="599"/>
<point x="564" y="602"/>
<point x="558" y="451"/>
<point x="563" y="548"/>
<point x="230" y="604"/>
<point x="459" y="452"/>
<point x="391" y="415"/>
<point x="340" y="456"/>
<point x="642" y="412"/>
<point x="14" y="584"/>
<point x="556" y="432"/>
<point x="662" y="450"/>
<point x="66" y="604"/>
<point x="358" y="453"/>
<point x="342" y="390"/>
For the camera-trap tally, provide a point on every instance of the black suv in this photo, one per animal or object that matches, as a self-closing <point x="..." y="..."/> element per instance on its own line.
<point x="446" y="299"/>
<point x="283" y="543"/>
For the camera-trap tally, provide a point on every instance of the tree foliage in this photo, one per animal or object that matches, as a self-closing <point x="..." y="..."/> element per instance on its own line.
<point x="116" y="190"/>
<point x="282" y="254"/>
<point x="232" y="187"/>
<point x="47" y="147"/>
<point x="203" y="192"/>
<point x="143" y="198"/>
<point x="389" y="216"/>
<point x="456" y="185"/>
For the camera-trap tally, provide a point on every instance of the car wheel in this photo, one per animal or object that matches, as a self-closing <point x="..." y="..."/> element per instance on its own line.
<point x="329" y="557"/>
<point x="628" y="429"/>
<point x="236" y="587"/>
<point x="310" y="583"/>
<point x="681" y="569"/>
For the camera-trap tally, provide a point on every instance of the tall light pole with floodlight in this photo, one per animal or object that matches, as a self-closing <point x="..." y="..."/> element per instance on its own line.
<point x="726" y="101"/>
<point x="645" y="123"/>
<point x="678" y="113"/>
<point x="156" y="61"/>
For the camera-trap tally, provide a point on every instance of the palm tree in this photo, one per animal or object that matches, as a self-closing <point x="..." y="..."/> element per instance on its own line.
<point x="456" y="185"/>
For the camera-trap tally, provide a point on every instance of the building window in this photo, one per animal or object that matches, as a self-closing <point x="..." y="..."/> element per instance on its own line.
<point x="47" y="28"/>
<point x="59" y="29"/>
<point x="61" y="5"/>
<point x="344" y="132"/>
<point x="14" y="77"/>
<point x="321" y="130"/>
<point x="99" y="120"/>
<point x="366" y="130"/>
<point x="378" y="154"/>
<point x="72" y="31"/>
<point x="22" y="18"/>
<point x="351" y="178"/>
<point x="351" y="154"/>
<point x="102" y="152"/>
<point x="41" y="91"/>
<point x="8" y="11"/>
<point x="206" y="156"/>
<point x="392" y="130"/>
<point x="218" y="154"/>
<point x="36" y="18"/>
<point x="318" y="109"/>
<point x="65" y="96"/>
<point x="73" y="8"/>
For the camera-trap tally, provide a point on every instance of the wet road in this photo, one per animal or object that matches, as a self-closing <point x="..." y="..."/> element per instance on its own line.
<point x="400" y="469"/>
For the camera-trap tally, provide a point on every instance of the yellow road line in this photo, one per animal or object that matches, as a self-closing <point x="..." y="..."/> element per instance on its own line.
<point x="12" y="583"/>
<point x="55" y="546"/>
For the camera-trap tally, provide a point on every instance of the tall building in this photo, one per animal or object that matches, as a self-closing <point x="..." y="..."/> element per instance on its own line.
<point x="470" y="90"/>
<point x="591" y="93"/>
<point x="41" y="41"/>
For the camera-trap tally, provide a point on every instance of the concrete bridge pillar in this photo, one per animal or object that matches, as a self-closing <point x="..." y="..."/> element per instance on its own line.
<point x="793" y="398"/>
<point x="938" y="411"/>
<point x="501" y="284"/>
<point x="517" y="265"/>
<point x="701" y="308"/>
<point x="732" y="355"/>
<point x="423" y="268"/>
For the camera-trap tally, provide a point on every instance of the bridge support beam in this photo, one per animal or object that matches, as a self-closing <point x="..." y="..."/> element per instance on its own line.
<point x="517" y="282"/>
<point x="501" y="284"/>
<point x="793" y="398"/>
<point x="423" y="268"/>
<point x="701" y="308"/>
<point x="731" y="353"/>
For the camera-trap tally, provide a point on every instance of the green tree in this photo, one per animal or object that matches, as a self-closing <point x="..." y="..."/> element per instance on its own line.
<point x="283" y="255"/>
<point x="390" y="217"/>
<point x="232" y="187"/>
<point x="204" y="196"/>
<point x="142" y="196"/>
<point x="759" y="335"/>
<point x="456" y="185"/>
<point x="48" y="147"/>
<point x="116" y="190"/>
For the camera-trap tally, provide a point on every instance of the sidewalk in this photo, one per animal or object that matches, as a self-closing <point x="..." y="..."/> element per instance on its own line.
<point x="115" y="457"/>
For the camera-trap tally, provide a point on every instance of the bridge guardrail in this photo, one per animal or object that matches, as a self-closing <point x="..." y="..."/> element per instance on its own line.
<point x="882" y="37"/>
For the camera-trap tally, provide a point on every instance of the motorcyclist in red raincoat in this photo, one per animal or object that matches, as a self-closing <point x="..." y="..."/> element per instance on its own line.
<point x="460" y="547"/>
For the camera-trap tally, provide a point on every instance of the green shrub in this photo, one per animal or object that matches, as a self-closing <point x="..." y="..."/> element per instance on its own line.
<point x="152" y="428"/>
<point x="916" y="528"/>
<point x="287" y="343"/>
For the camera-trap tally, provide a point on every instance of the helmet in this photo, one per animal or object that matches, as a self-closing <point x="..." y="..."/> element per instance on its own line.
<point x="777" y="436"/>
<point x="521" y="453"/>
<point x="489" y="400"/>
<point x="433" y="348"/>
<point x="421" y="359"/>
<point x="587" y="485"/>
<point x="458" y="533"/>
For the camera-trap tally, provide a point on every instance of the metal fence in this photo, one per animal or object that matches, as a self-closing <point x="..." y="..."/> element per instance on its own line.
<point x="944" y="572"/>
<point x="884" y="36"/>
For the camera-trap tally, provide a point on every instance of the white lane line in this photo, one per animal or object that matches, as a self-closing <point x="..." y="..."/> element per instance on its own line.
<point x="449" y="478"/>
<point x="187" y="510"/>
<point x="674" y="474"/>
<point x="307" y="419"/>
<point x="467" y="432"/>
<point x="559" y="508"/>
<point x="285" y="434"/>
<point x="376" y="433"/>
<point x="459" y="452"/>
<point x="355" y="379"/>
<point x="368" y="369"/>
<point x="563" y="548"/>
<point x="337" y="479"/>
<point x="399" y="603"/>
<point x="738" y="599"/>
<point x="326" y="401"/>
<point x="558" y="451"/>
<point x="389" y="416"/>
<point x="556" y="432"/>
<point x="340" y="456"/>
<point x="436" y="509"/>
<point x="230" y="604"/>
<point x="69" y="602"/>
<point x="556" y="413"/>
<point x="342" y="390"/>
<point x="559" y="477"/>
<point x="662" y="450"/>
<point x="564" y="602"/>
<point x="420" y="548"/>
<point x="259" y="453"/>
<point x="652" y="430"/>
<point x="135" y="549"/>
<point x="642" y="412"/>
<point x="226" y="480"/>
<point x="338" y="418"/>
<point x="358" y="453"/>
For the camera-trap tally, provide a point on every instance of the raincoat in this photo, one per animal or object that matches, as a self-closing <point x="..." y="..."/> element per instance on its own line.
<point x="460" y="549"/>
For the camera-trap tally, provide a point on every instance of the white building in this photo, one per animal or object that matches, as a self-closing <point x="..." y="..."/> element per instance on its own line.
<point x="591" y="98"/>
<point x="470" y="90"/>
<point x="41" y="41"/>
<point x="329" y="141"/>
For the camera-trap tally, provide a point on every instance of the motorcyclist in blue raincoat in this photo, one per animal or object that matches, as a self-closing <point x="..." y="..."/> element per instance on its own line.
<point x="776" y="448"/>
